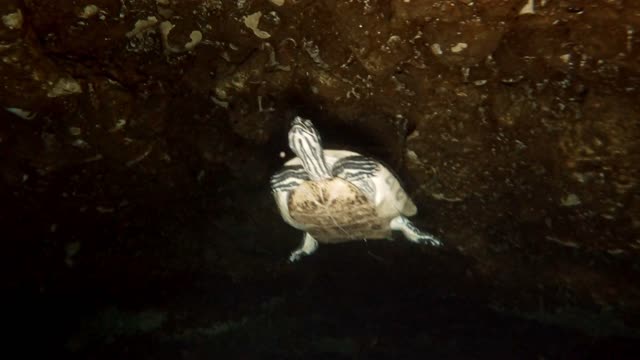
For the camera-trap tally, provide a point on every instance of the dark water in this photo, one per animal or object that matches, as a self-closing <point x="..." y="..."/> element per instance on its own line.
<point x="375" y="299"/>
<point x="372" y="311"/>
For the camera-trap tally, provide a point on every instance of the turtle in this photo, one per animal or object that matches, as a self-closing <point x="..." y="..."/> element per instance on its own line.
<point x="335" y="196"/>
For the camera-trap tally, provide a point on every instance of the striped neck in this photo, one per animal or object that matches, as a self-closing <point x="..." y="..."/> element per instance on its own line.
<point x="305" y="142"/>
<point x="315" y="165"/>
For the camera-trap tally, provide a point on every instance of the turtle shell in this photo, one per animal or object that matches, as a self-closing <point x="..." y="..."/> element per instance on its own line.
<point x="335" y="210"/>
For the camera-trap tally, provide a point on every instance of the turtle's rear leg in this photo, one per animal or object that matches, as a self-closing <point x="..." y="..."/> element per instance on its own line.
<point x="309" y="245"/>
<point x="412" y="233"/>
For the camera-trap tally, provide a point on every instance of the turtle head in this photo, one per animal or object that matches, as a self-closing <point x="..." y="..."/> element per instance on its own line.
<point x="305" y="142"/>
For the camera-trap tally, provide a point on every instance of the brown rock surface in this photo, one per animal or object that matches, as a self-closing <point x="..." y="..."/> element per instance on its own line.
<point x="139" y="136"/>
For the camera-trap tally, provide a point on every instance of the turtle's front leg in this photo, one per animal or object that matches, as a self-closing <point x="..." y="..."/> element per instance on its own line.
<point x="412" y="233"/>
<point x="309" y="245"/>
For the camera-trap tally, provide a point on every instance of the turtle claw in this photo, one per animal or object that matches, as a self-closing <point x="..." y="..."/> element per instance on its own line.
<point x="296" y="255"/>
<point x="412" y="233"/>
<point x="428" y="239"/>
<point x="309" y="245"/>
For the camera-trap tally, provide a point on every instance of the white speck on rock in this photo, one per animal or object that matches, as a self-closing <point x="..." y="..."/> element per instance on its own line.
<point x="282" y="154"/>
<point x="221" y="103"/>
<point x="314" y="52"/>
<point x="13" y="21"/>
<point x="616" y="251"/>
<point x="528" y="8"/>
<point x="411" y="155"/>
<point x="64" y="87"/>
<point x="252" y="21"/>
<point x="565" y="58"/>
<point x="75" y="131"/>
<point x="414" y="135"/>
<point x="458" y="47"/>
<point x="570" y="200"/>
<point x="120" y="123"/>
<point x="569" y="244"/>
<point x="79" y="143"/>
<point x="435" y="49"/>
<point x="89" y="11"/>
<point x="196" y="37"/>
<point x="142" y="25"/>
<point x="140" y="157"/>
<point x="277" y="2"/>
<point x="104" y="209"/>
<point x="165" y="29"/>
<point x="25" y="114"/>
<point x="442" y="197"/>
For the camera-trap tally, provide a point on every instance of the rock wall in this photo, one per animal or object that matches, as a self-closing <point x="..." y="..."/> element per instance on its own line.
<point x="139" y="136"/>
